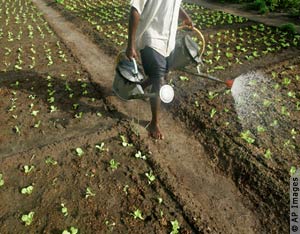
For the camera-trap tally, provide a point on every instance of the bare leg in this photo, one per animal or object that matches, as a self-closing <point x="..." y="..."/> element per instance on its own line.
<point x="154" y="129"/>
<point x="146" y="83"/>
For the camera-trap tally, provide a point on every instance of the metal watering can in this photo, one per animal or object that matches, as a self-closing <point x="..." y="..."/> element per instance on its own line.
<point x="128" y="79"/>
<point x="186" y="51"/>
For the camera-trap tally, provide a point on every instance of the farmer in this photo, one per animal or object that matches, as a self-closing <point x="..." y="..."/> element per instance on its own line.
<point x="152" y="32"/>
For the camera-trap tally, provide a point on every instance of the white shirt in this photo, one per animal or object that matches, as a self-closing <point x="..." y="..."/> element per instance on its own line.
<point x="158" y="24"/>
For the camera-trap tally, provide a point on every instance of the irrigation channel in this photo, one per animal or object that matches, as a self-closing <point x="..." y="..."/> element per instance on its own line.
<point x="207" y="176"/>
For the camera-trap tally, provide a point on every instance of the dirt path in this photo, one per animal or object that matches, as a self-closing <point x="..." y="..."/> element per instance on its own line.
<point x="272" y="19"/>
<point x="210" y="201"/>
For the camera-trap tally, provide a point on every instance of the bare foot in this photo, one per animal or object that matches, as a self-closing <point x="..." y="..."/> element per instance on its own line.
<point x="154" y="131"/>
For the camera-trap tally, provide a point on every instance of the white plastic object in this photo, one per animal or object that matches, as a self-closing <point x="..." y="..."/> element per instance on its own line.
<point x="166" y="93"/>
<point x="135" y="66"/>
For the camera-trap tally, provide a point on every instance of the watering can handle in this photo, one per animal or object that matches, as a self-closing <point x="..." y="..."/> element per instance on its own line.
<point x="200" y="35"/>
<point x="135" y="66"/>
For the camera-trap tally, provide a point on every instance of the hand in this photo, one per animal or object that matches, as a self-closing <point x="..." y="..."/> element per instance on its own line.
<point x="188" y="22"/>
<point x="131" y="53"/>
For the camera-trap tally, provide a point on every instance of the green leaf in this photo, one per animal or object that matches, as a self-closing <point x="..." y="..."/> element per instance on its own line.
<point x="183" y="78"/>
<point x="175" y="227"/>
<point x="27" y="218"/>
<point x="137" y="214"/>
<point x="28" y="169"/>
<point x="229" y="55"/>
<point x="246" y="135"/>
<point x="89" y="193"/>
<point x="213" y="112"/>
<point x="79" y="152"/>
<point x="1" y="180"/>
<point x="268" y="154"/>
<point x="27" y="190"/>
<point x="293" y="170"/>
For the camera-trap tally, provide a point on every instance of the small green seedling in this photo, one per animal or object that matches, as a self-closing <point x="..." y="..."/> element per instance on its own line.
<point x="293" y="170"/>
<point x="101" y="147"/>
<point x="137" y="214"/>
<point x="73" y="230"/>
<point x="212" y="95"/>
<point x="1" y="180"/>
<point x="260" y="128"/>
<point x="247" y="137"/>
<point x="140" y="155"/>
<point x="53" y="109"/>
<point x="175" y="227"/>
<point x="89" y="193"/>
<point x="110" y="225"/>
<point x="64" y="209"/>
<point x="37" y="125"/>
<point x="34" y="113"/>
<point x="124" y="141"/>
<point x="17" y="130"/>
<point x="27" y="218"/>
<point x="268" y="154"/>
<point x="150" y="176"/>
<point x="113" y="164"/>
<point x="183" y="78"/>
<point x="160" y="200"/>
<point x="50" y="161"/>
<point x="27" y="190"/>
<point x="78" y="115"/>
<point x="213" y="112"/>
<point x="79" y="152"/>
<point x="125" y="189"/>
<point x="28" y="169"/>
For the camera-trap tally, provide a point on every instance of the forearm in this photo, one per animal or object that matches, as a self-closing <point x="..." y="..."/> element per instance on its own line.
<point x="133" y="24"/>
<point x="183" y="15"/>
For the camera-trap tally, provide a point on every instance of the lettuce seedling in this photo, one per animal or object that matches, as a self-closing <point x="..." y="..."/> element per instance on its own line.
<point x="124" y="141"/>
<point x="139" y="155"/>
<point x="89" y="193"/>
<point x="293" y="170"/>
<point x="113" y="164"/>
<point x="50" y="160"/>
<point x="150" y="176"/>
<point x="1" y="180"/>
<point x="27" y="190"/>
<point x="79" y="152"/>
<point x="213" y="112"/>
<point x="28" y="169"/>
<point x="137" y="214"/>
<point x="183" y="78"/>
<point x="64" y="209"/>
<point x="27" y="218"/>
<point x="73" y="230"/>
<point x="247" y="137"/>
<point x="101" y="147"/>
<point x="268" y="154"/>
<point x="175" y="227"/>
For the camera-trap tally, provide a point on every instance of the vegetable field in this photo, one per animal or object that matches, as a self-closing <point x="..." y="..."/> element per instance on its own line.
<point x="70" y="164"/>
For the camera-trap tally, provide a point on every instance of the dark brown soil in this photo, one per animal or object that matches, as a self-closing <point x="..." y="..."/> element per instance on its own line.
<point x="254" y="172"/>
<point x="47" y="111"/>
<point x="118" y="193"/>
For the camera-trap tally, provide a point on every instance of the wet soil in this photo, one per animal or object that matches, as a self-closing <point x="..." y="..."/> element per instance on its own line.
<point x="216" y="121"/>
<point x="48" y="111"/>
<point x="60" y="176"/>
<point x="179" y="161"/>
<point x="205" y="198"/>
